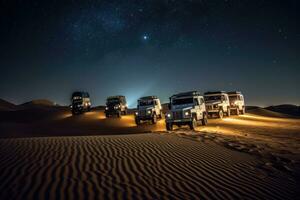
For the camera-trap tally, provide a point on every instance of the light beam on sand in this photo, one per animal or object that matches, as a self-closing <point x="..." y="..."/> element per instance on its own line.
<point x="128" y="121"/>
<point x="256" y="117"/>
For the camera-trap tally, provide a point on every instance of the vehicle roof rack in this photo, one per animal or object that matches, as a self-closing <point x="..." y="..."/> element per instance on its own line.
<point x="80" y="93"/>
<point x="214" y="92"/>
<point x="116" y="96"/>
<point x="148" y="97"/>
<point x="190" y="93"/>
<point x="234" y="92"/>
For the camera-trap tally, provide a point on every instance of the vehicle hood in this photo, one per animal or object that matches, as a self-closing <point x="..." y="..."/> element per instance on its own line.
<point x="212" y="102"/>
<point x="146" y="107"/>
<point x="181" y="108"/>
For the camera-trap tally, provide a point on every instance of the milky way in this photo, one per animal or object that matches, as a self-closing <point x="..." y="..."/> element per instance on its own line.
<point x="50" y="48"/>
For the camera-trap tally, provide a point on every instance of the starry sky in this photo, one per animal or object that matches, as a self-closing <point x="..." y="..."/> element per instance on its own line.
<point x="48" y="49"/>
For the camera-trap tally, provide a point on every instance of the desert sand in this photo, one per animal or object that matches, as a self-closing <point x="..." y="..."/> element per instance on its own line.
<point x="53" y="155"/>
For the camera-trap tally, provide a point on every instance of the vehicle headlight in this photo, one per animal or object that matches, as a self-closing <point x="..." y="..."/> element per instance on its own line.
<point x="216" y="106"/>
<point x="149" y="112"/>
<point x="106" y="108"/>
<point x="136" y="113"/>
<point x="235" y="102"/>
<point x="168" y="115"/>
<point x="187" y="113"/>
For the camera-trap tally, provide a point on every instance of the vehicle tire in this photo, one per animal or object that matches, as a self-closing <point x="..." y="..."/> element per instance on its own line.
<point x="243" y="111"/>
<point x="160" y="115"/>
<point x="106" y="115"/>
<point x="154" y="119"/>
<point x="228" y="112"/>
<point x="204" y="119"/>
<point x="193" y="124"/>
<point x="137" y="121"/>
<point x="89" y="109"/>
<point x="125" y="112"/>
<point x="74" y="113"/>
<point x="169" y="126"/>
<point x="221" y="114"/>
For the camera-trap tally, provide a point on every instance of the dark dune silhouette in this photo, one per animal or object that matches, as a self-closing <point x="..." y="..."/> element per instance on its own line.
<point x="286" y="109"/>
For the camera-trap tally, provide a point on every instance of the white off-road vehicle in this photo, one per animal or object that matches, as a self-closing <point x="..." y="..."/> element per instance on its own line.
<point x="237" y="103"/>
<point x="217" y="103"/>
<point x="148" y="109"/>
<point x="186" y="109"/>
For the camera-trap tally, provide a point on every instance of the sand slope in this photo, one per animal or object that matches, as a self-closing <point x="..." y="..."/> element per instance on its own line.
<point x="142" y="166"/>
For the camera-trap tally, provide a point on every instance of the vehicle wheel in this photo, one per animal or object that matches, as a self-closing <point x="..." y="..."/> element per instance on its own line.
<point x="125" y="112"/>
<point x="221" y="114"/>
<point x="137" y="121"/>
<point x="169" y="126"/>
<point x="107" y="115"/>
<point x="89" y="109"/>
<point x="228" y="112"/>
<point x="160" y="115"/>
<point x="74" y="113"/>
<point x="237" y="111"/>
<point x="193" y="124"/>
<point x="243" y="111"/>
<point x="204" y="119"/>
<point x="154" y="119"/>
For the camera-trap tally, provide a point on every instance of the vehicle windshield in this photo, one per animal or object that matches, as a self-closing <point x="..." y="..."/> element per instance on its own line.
<point x="233" y="98"/>
<point x="213" y="98"/>
<point x="183" y="101"/>
<point x="113" y="101"/>
<point x="146" y="102"/>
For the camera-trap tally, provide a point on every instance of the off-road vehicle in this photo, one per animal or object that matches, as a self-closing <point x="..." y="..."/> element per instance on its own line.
<point x="237" y="103"/>
<point x="148" y="109"/>
<point x="186" y="109"/>
<point x="116" y="106"/>
<point x="217" y="103"/>
<point x="80" y="102"/>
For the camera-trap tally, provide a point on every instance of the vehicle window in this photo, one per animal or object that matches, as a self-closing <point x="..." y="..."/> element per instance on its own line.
<point x="146" y="102"/>
<point x="233" y="98"/>
<point x="242" y="98"/>
<point x="155" y="103"/>
<point x="113" y="100"/>
<point x="212" y="98"/>
<point x="223" y="98"/>
<point x="183" y="101"/>
<point x="201" y="101"/>
<point x="196" y="102"/>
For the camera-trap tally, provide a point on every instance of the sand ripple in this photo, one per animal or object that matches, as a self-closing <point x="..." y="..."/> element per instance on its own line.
<point x="145" y="166"/>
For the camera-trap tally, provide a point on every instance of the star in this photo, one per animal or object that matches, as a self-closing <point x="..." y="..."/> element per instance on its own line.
<point x="145" y="37"/>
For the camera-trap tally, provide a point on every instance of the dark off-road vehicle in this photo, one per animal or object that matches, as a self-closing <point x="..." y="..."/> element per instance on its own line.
<point x="80" y="102"/>
<point x="116" y="106"/>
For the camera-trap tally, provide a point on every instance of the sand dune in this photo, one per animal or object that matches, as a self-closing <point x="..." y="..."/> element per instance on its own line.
<point x="7" y="106"/>
<point x="268" y="113"/>
<point x="143" y="166"/>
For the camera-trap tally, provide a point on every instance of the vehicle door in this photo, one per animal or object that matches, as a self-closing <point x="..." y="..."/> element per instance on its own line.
<point x="202" y="106"/>
<point x="197" y="108"/>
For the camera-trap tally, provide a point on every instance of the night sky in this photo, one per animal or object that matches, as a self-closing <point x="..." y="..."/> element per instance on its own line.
<point x="48" y="49"/>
